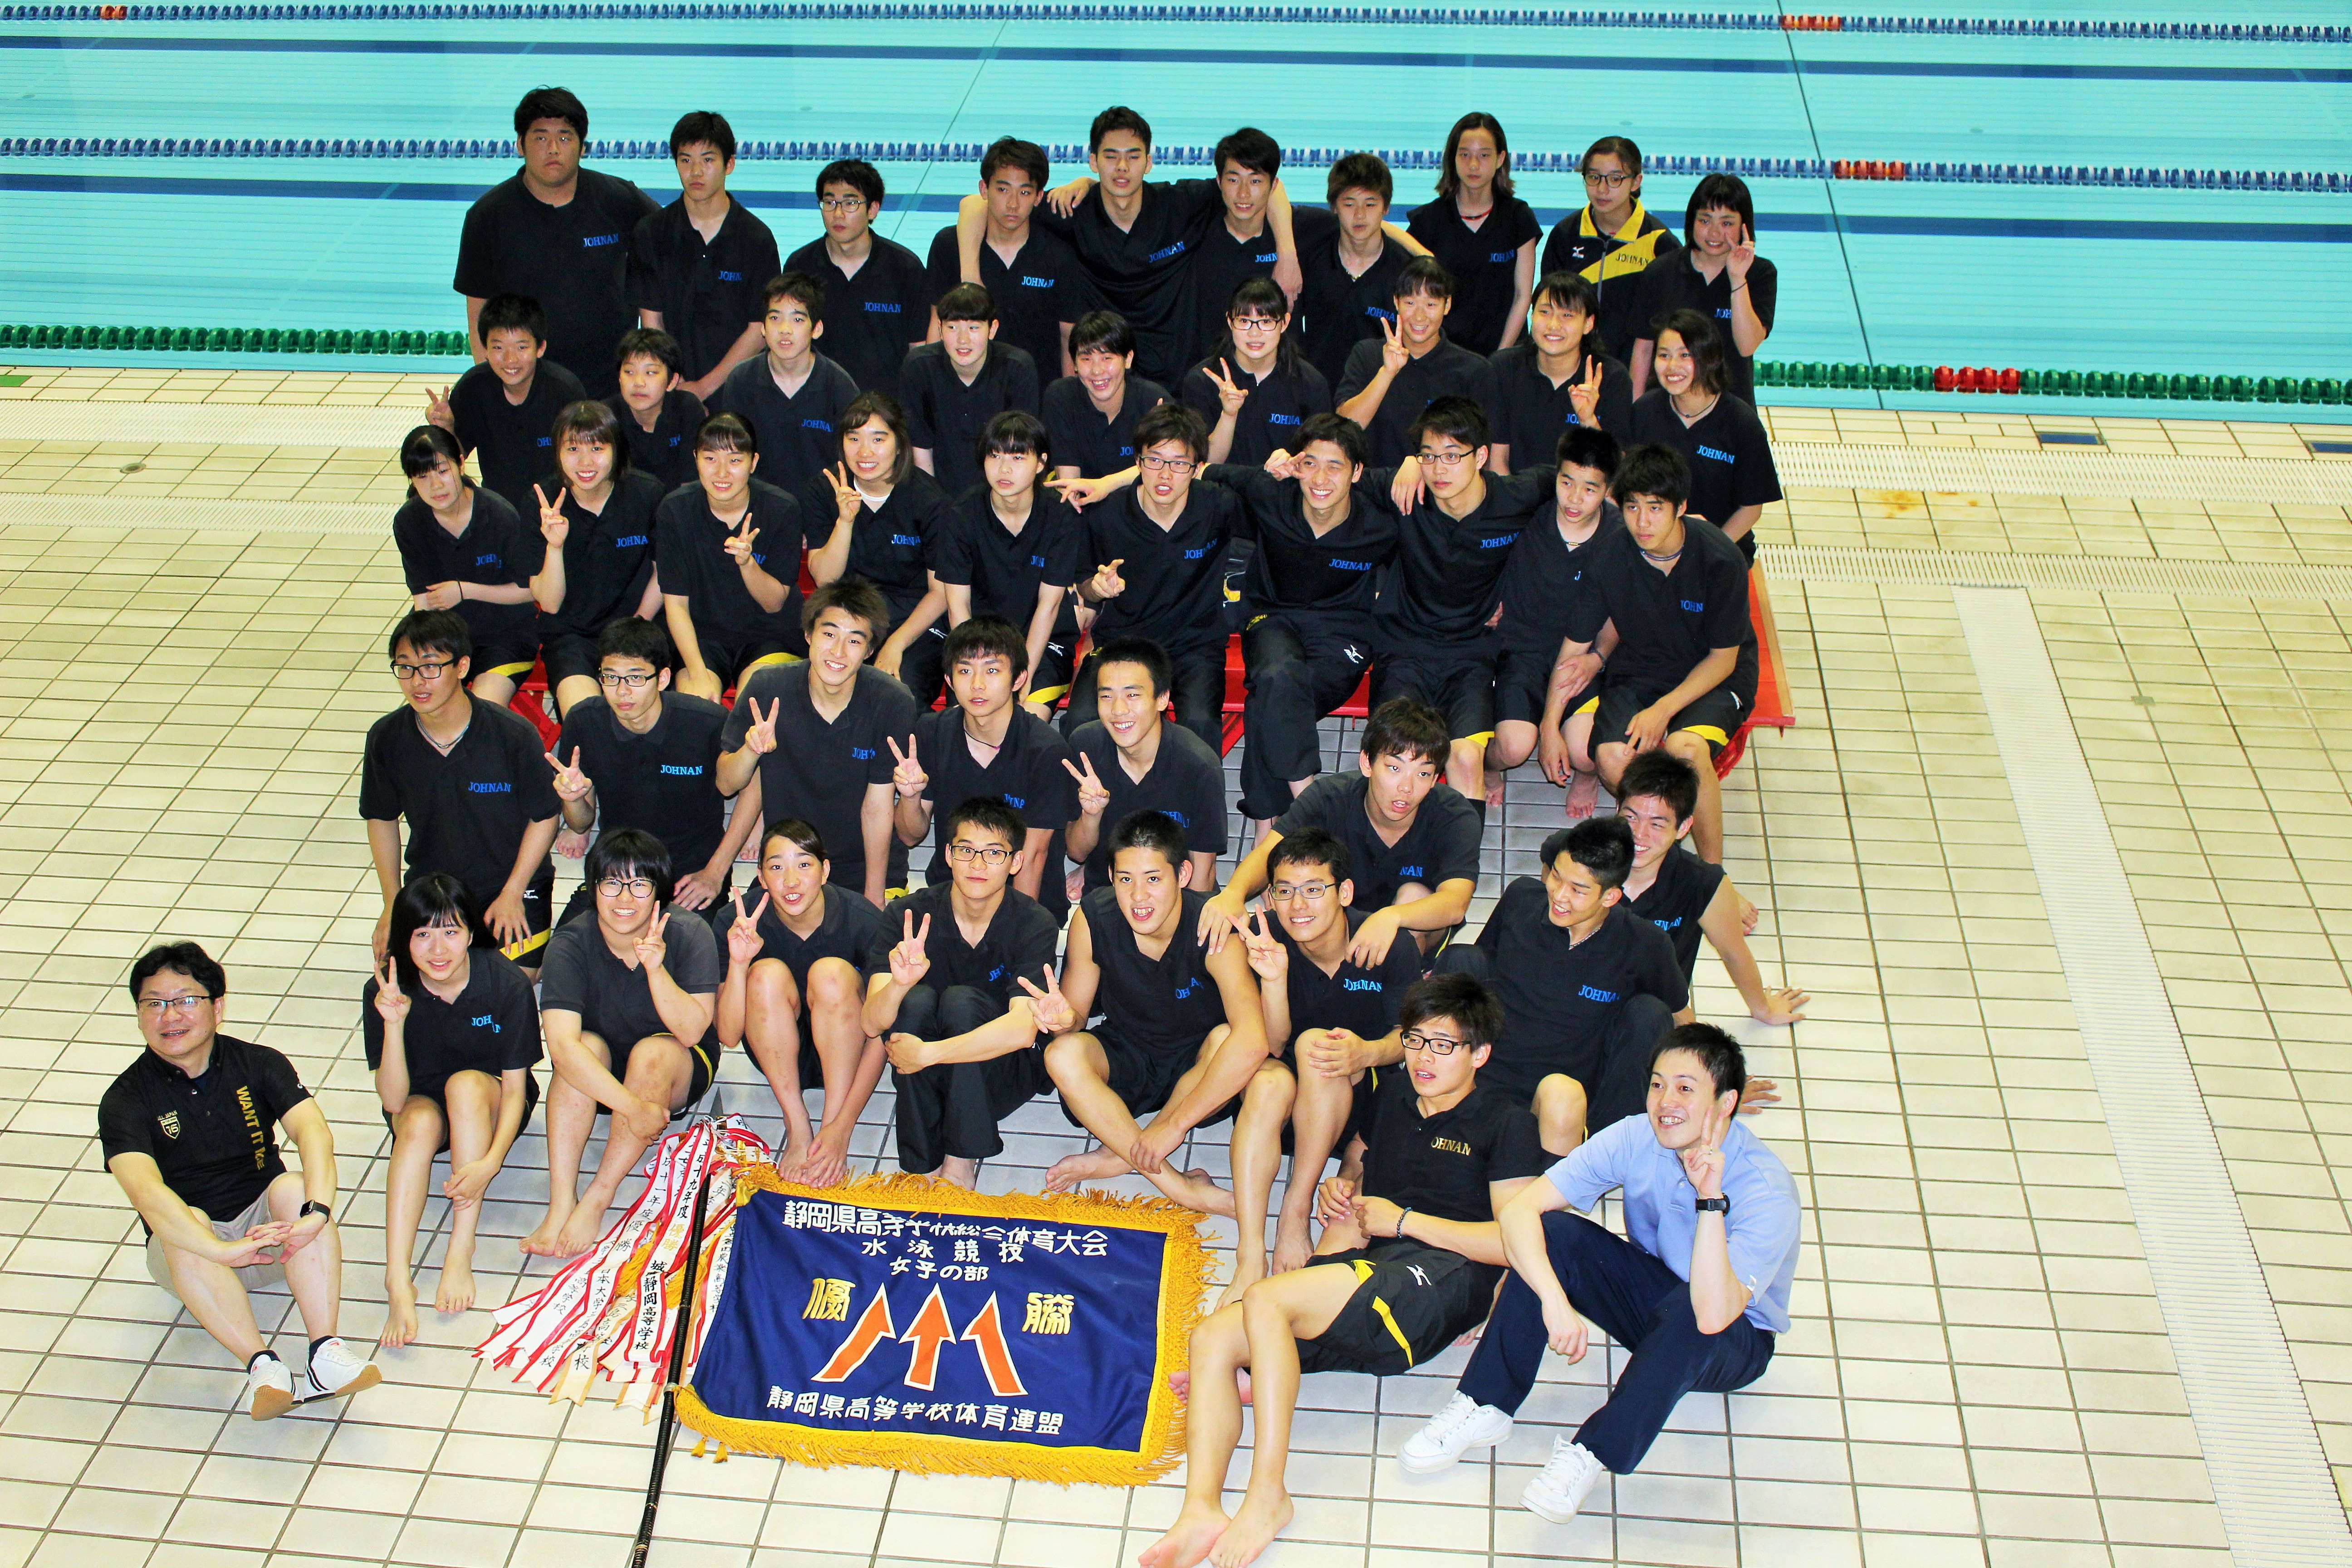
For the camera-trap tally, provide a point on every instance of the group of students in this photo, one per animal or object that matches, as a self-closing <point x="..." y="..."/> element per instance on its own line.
<point x="713" y="712"/>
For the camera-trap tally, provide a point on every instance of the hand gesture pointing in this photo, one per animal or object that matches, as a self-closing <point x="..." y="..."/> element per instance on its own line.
<point x="911" y="960"/>
<point x="391" y="1001"/>
<point x="1051" y="1010"/>
<point x="553" y="526"/>
<point x="1094" y="795"/>
<point x="1107" y="584"/>
<point x="908" y="776"/>
<point x="762" y="736"/>
<point x="570" y="784"/>
<point x="1584" y="395"/>
<point x="1743" y="255"/>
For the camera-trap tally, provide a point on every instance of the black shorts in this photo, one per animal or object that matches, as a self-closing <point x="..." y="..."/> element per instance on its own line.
<point x="1143" y="1077"/>
<point x="1713" y="716"/>
<point x="513" y="660"/>
<point x="1049" y="679"/>
<point x="1522" y="681"/>
<point x="1411" y="1302"/>
<point x="705" y="1057"/>
<point x="567" y="654"/>
<point x="731" y="662"/>
<point x="437" y="1090"/>
<point x="1459" y="683"/>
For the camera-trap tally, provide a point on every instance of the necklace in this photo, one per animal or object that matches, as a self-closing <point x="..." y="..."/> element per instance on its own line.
<point x="1674" y="555"/>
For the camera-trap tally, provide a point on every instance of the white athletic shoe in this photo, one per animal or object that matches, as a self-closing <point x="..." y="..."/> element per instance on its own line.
<point x="334" y="1369"/>
<point x="1463" y="1425"/>
<point x="268" y="1387"/>
<point x="1560" y="1487"/>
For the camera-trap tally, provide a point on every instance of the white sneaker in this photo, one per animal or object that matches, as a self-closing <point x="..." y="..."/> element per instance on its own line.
<point x="268" y="1387"/>
<point x="334" y="1369"/>
<point x="1560" y="1487"/>
<point x="1463" y="1425"/>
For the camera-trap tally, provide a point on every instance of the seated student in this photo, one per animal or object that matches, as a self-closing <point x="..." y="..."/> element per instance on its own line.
<point x="1389" y="381"/>
<point x="1247" y="164"/>
<point x="1348" y="261"/>
<point x="1408" y="1262"/>
<point x="1720" y="276"/>
<point x="461" y="547"/>
<point x="1556" y="378"/>
<point x="641" y="756"/>
<point x="1544" y="697"/>
<point x="956" y="385"/>
<point x="451" y="1036"/>
<point x="960" y="1036"/>
<point x="792" y="397"/>
<point x="728" y="614"/>
<point x="627" y="1002"/>
<point x="657" y="414"/>
<point x="1130" y="759"/>
<point x="1697" y="1297"/>
<point x="470" y="779"/>
<point x="1683" y="677"/>
<point x="1254" y="391"/>
<point x="796" y="968"/>
<point x="1459" y="524"/>
<point x="1411" y="841"/>
<point x="1158" y="548"/>
<point x="1610" y="240"/>
<point x="1011" y="548"/>
<point x="1723" y="443"/>
<point x="984" y="743"/>
<point x="1587" y="987"/>
<point x="1485" y="235"/>
<point x="189" y="1131"/>
<point x="1033" y="275"/>
<point x="878" y="301"/>
<point x="1682" y="895"/>
<point x="1091" y="412"/>
<point x="502" y="409"/>
<point x="885" y="514"/>
<point x="814" y="735"/>
<point x="697" y="267"/>
<point x="593" y="562"/>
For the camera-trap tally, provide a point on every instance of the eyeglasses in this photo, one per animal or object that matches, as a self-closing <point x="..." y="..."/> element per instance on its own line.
<point x="156" y="1006"/>
<point x="1609" y="181"/>
<point x="634" y="679"/>
<point x="433" y="671"/>
<point x="1435" y="1045"/>
<point x="1253" y="323"/>
<point x="1444" y="460"/>
<point x="991" y="854"/>
<point x="1168" y="465"/>
<point x="1313" y="892"/>
<point x="841" y="203"/>
<point x="635" y="887"/>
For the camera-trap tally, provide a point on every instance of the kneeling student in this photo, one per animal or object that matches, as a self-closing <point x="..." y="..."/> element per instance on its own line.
<point x="461" y="549"/>
<point x="796" y="968"/>
<point x="625" y="1002"/>
<point x="594" y="560"/>
<point x="1544" y="696"/>
<point x="1698" y="1298"/>
<point x="451" y="1036"/>
<point x="1130" y="759"/>
<point x="1011" y="548"/>
<point x="961" y="1034"/>
<point x="1409" y="1260"/>
<point x="189" y="1131"/>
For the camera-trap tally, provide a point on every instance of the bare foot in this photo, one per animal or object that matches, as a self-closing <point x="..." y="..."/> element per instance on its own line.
<point x="400" y="1313"/>
<point x="1252" y="1530"/>
<point x="570" y="845"/>
<point x="827" y="1164"/>
<point x="1293" y="1243"/>
<point x="1093" y="1165"/>
<point x="1493" y="788"/>
<point x="1583" y="794"/>
<point x="579" y="1232"/>
<point x="542" y="1242"/>
<point x="1181" y="1383"/>
<point x="958" y="1172"/>
<point x="1246" y="1273"/>
<point x="1189" y="1539"/>
<point x="1196" y="1189"/>
<point x="456" y="1293"/>
<point x="796" y="1155"/>
<point x="1075" y="884"/>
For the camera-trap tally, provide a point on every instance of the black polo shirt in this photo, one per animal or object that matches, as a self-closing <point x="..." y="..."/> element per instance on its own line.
<point x="1557" y="995"/>
<point x="574" y="259"/>
<point x="872" y="316"/>
<point x="890" y="545"/>
<point x="1450" y="570"/>
<point x="1187" y="781"/>
<point x="1026" y="773"/>
<point x="1447" y="369"/>
<point x="489" y="551"/>
<point x="1730" y="455"/>
<point x="821" y="769"/>
<point x="467" y="811"/>
<point x="214" y="1155"/>
<point x="1484" y="260"/>
<point x="850" y="929"/>
<point x="1162" y="1005"/>
<point x="1676" y="901"/>
<point x="1004" y="570"/>
<point x="491" y="1028"/>
<point x="1278" y="405"/>
<point x="666" y="451"/>
<point x="582" y="974"/>
<point x="513" y="444"/>
<point x="1362" y="1001"/>
<point x="1440" y="845"/>
<point x="1294" y="570"/>
<point x="1222" y="264"/>
<point x="1670" y="283"/>
<point x="1145" y="272"/>
<point x="1668" y="621"/>
<point x="945" y="416"/>
<point x="1040" y="290"/>
<point x="1020" y="942"/>
<point x="1529" y="411"/>
<point x="1442" y="1164"/>
<point x="608" y="557"/>
<point x="799" y="435"/>
<point x="690" y="551"/>
<point x="663" y="781"/>
<point x="1082" y="438"/>
<point x="1337" y="309"/>
<point x="1545" y="575"/>
<point x="707" y="290"/>
<point x="1175" y="576"/>
<point x="1612" y="264"/>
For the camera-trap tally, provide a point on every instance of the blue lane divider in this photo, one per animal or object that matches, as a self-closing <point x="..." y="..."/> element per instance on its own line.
<point x="1026" y="10"/>
<point x="611" y="149"/>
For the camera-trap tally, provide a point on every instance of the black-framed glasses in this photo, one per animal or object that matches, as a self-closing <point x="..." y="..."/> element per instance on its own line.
<point x="634" y="887"/>
<point x="841" y="203"/>
<point x="433" y="671"/>
<point x="1435" y="1045"/>
<point x="1445" y="459"/>
<point x="1609" y="181"/>
<point x="990" y="854"/>
<point x="634" y="679"/>
<point x="1168" y="465"/>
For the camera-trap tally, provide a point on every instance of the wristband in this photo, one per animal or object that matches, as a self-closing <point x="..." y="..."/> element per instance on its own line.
<point x="1714" y="1205"/>
<point x="1405" y="1214"/>
<point x="315" y="1208"/>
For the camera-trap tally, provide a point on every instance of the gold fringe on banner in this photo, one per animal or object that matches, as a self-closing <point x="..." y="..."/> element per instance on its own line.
<point x="1185" y="1269"/>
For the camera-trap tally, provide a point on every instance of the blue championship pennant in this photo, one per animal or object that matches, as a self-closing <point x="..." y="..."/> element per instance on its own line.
<point x="907" y="1324"/>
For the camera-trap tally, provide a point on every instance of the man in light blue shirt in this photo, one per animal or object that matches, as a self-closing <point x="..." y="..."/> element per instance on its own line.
<point x="1696" y="1290"/>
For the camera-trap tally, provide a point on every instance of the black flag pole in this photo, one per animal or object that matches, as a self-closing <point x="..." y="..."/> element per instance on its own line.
<point x="668" y="1431"/>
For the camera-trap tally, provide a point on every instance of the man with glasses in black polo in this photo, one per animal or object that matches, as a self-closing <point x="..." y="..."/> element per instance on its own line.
<point x="470" y="780"/>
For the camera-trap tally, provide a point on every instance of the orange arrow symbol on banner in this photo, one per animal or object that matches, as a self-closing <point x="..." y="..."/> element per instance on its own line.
<point x="928" y="1332"/>
<point x="987" y="1331"/>
<point x="873" y="1327"/>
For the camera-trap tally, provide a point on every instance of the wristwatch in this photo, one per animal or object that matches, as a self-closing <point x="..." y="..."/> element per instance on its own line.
<point x="1717" y="1206"/>
<point x="315" y="1208"/>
